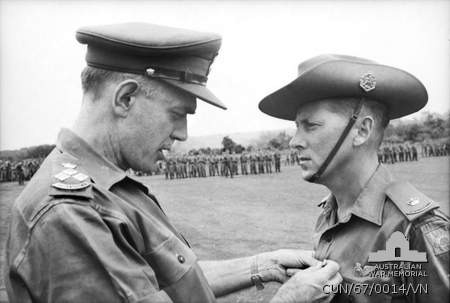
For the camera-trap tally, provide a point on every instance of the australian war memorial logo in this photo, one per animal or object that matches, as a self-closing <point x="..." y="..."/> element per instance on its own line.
<point x="397" y="249"/>
<point x="397" y="260"/>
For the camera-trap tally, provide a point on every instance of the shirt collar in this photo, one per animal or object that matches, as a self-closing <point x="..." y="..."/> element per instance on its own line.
<point x="100" y="169"/>
<point x="370" y="203"/>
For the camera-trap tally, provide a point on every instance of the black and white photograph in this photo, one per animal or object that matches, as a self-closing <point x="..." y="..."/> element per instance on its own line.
<point x="224" y="151"/>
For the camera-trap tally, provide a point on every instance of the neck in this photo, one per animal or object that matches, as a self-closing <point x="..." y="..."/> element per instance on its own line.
<point x="349" y="181"/>
<point x="97" y="132"/>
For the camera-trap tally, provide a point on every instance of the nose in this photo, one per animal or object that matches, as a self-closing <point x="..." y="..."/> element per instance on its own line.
<point x="180" y="132"/>
<point x="297" y="141"/>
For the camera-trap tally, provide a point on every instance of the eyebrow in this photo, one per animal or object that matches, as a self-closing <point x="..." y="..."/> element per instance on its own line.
<point x="303" y="121"/>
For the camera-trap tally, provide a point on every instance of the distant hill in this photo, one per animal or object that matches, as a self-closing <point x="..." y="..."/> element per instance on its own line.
<point x="215" y="141"/>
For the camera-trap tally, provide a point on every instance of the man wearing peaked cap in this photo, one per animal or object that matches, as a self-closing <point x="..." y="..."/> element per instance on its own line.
<point x="84" y="231"/>
<point x="341" y="106"/>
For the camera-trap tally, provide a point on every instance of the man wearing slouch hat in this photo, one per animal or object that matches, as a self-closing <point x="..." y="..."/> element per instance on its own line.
<point x="341" y="106"/>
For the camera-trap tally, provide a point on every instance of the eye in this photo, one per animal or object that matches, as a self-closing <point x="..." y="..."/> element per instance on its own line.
<point x="177" y="115"/>
<point x="311" y="125"/>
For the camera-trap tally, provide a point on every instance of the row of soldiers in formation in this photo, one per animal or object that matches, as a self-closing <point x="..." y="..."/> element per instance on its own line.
<point x="227" y="165"/>
<point x="19" y="171"/>
<point x="390" y="153"/>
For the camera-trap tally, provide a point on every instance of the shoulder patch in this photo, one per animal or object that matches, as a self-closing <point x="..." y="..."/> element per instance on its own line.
<point x="69" y="181"/>
<point x="439" y="239"/>
<point x="410" y="201"/>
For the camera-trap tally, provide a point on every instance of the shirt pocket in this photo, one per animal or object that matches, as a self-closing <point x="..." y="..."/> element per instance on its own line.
<point x="170" y="261"/>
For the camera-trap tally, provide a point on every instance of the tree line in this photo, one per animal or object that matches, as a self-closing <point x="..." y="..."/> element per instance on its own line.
<point x="429" y="127"/>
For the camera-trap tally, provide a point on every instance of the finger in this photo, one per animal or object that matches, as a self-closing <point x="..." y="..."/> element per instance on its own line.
<point x="315" y="267"/>
<point x="281" y="278"/>
<point x="335" y="280"/>
<point x="292" y="271"/>
<point x="330" y="268"/>
<point x="308" y="259"/>
<point x="298" y="258"/>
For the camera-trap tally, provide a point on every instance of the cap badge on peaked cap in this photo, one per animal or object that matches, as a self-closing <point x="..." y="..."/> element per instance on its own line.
<point x="367" y="82"/>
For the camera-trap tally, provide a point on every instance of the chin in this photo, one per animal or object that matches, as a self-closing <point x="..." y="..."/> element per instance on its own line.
<point x="306" y="175"/>
<point x="145" y="166"/>
<point x="149" y="167"/>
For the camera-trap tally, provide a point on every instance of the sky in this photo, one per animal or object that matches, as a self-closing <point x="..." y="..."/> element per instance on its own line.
<point x="263" y="42"/>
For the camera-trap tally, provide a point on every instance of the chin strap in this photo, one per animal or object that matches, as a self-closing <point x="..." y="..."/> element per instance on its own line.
<point x="339" y="142"/>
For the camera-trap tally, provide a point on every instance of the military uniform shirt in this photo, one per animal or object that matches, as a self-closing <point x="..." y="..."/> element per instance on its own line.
<point x="382" y="208"/>
<point x="83" y="231"/>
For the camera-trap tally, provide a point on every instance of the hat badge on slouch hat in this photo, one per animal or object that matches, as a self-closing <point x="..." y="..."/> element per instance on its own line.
<point x="368" y="82"/>
<point x="179" y="57"/>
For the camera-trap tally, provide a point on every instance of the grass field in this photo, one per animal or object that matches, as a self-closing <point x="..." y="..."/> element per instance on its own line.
<point x="224" y="218"/>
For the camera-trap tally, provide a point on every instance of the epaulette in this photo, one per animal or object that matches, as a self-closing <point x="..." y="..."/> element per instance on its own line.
<point x="410" y="201"/>
<point x="69" y="180"/>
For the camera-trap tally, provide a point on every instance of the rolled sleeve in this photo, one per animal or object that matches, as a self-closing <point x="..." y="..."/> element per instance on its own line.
<point x="75" y="254"/>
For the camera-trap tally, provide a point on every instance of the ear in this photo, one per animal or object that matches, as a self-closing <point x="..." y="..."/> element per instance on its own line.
<point x="124" y="97"/>
<point x="364" y="131"/>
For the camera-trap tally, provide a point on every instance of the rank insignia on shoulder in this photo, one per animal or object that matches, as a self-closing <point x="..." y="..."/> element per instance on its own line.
<point x="70" y="171"/>
<point x="71" y="179"/>
<point x="62" y="176"/>
<point x="80" y="177"/>
<point x="411" y="202"/>
<point x="69" y="165"/>
<point x="67" y="186"/>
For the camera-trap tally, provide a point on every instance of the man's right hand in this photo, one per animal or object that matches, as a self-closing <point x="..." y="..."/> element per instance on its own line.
<point x="307" y="285"/>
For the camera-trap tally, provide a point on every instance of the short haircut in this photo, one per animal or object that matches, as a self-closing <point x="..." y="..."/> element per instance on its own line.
<point x="375" y="109"/>
<point x="93" y="80"/>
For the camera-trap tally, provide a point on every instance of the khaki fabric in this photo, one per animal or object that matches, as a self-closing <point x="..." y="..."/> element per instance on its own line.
<point x="374" y="217"/>
<point x="106" y="241"/>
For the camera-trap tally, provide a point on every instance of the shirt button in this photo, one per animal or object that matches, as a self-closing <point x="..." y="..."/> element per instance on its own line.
<point x="181" y="259"/>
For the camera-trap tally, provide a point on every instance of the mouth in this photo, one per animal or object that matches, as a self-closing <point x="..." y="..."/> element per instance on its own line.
<point x="304" y="162"/>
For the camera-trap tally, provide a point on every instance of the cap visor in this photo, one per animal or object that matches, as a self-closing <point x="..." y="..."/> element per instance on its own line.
<point x="197" y="90"/>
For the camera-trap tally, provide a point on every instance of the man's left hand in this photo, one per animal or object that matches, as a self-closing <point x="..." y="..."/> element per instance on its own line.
<point x="274" y="265"/>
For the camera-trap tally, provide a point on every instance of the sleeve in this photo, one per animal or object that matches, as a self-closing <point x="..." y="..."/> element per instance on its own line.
<point x="73" y="256"/>
<point x="431" y="235"/>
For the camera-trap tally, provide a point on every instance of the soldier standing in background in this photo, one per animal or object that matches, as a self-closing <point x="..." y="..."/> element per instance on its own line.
<point x="216" y="165"/>
<point x="268" y="161"/>
<point x="260" y="159"/>
<point x="414" y="153"/>
<point x="20" y="176"/>
<point x="253" y="164"/>
<point x="8" y="171"/>
<point x="277" y="157"/>
<point x="210" y="163"/>
<point x="243" y="160"/>
<point x="234" y="163"/>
